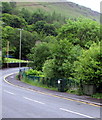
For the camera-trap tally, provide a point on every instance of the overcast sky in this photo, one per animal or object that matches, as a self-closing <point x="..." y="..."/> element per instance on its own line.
<point x="93" y="4"/>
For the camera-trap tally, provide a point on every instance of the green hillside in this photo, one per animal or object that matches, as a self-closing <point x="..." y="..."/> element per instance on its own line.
<point x="67" y="9"/>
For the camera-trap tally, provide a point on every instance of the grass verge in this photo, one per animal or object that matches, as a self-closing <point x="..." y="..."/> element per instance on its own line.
<point x="78" y="92"/>
<point x="38" y="84"/>
<point x="13" y="60"/>
<point x="74" y="91"/>
<point x="97" y="95"/>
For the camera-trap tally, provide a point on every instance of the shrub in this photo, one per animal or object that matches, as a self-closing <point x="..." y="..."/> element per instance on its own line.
<point x="34" y="73"/>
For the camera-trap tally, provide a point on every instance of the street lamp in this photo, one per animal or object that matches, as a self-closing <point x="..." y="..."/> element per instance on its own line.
<point x="20" y="47"/>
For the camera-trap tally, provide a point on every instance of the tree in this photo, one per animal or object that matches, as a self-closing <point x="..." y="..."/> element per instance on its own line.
<point x="9" y="7"/>
<point x="26" y="15"/>
<point x="37" y="16"/>
<point x="13" y="36"/>
<point x="13" y="21"/>
<point x="7" y="35"/>
<point x="13" y="5"/>
<point x="39" y="26"/>
<point x="48" y="29"/>
<point x="60" y="64"/>
<point x="38" y="55"/>
<point x="82" y="31"/>
<point x="6" y="7"/>
<point x="48" y="68"/>
<point x="88" y="66"/>
<point x="27" y="42"/>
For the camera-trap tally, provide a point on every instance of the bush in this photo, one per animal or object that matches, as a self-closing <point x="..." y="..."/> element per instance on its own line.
<point x="88" y="66"/>
<point x="48" y="68"/>
<point x="34" y="73"/>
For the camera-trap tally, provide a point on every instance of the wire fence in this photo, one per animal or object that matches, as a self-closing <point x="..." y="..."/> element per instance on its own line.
<point x="64" y="83"/>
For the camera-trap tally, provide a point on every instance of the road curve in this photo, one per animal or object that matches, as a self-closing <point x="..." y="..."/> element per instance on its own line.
<point x="21" y="103"/>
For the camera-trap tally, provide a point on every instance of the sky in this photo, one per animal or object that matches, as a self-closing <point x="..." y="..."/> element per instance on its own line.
<point x="93" y="4"/>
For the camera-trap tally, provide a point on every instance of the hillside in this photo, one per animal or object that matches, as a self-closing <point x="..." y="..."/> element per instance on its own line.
<point x="67" y="9"/>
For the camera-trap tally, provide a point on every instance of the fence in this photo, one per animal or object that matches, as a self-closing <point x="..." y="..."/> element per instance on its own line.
<point x="52" y="82"/>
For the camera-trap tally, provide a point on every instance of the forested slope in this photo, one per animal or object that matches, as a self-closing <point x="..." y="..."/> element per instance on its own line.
<point x="60" y="46"/>
<point x="67" y="9"/>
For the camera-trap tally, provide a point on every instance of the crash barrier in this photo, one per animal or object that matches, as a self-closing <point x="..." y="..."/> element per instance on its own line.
<point x="62" y="84"/>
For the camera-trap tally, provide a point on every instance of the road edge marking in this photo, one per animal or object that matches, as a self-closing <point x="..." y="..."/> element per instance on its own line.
<point x="29" y="89"/>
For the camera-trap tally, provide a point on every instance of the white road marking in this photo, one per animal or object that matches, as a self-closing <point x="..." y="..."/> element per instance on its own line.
<point x="34" y="100"/>
<point x="12" y="76"/>
<point x="9" y="92"/>
<point x="76" y="113"/>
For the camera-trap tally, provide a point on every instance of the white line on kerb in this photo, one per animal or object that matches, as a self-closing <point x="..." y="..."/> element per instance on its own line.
<point x="9" y="92"/>
<point x="34" y="100"/>
<point x="76" y="113"/>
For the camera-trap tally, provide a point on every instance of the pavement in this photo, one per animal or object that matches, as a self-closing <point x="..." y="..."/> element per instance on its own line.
<point x="11" y="79"/>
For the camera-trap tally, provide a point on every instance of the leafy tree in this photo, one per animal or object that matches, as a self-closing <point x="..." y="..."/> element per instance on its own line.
<point x="63" y="56"/>
<point x="7" y="35"/>
<point x="83" y="31"/>
<point x="3" y="55"/>
<point x="13" y="36"/>
<point x="37" y="16"/>
<point x="9" y="7"/>
<point x="39" y="26"/>
<point x="57" y="24"/>
<point x="6" y="7"/>
<point x="42" y="26"/>
<point x="29" y="28"/>
<point x="13" y="21"/>
<point x="26" y="15"/>
<point x="27" y="42"/>
<point x="38" y="55"/>
<point x="48" y="68"/>
<point x="88" y="66"/>
<point x="49" y="39"/>
<point x="13" y="4"/>
<point x="49" y="29"/>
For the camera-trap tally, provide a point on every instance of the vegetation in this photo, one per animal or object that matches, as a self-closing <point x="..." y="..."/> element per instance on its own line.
<point x="59" y="47"/>
<point x="97" y="95"/>
<point x="88" y="66"/>
<point x="12" y="60"/>
<point x="39" y="54"/>
<point x="65" y="9"/>
<point x="82" y="32"/>
<point x="34" y="73"/>
<point x="38" y="84"/>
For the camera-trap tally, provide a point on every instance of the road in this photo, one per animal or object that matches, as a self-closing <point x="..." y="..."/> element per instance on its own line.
<point x="21" y="103"/>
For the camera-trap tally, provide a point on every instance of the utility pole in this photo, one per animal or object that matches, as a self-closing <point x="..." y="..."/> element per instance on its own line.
<point x="8" y="44"/>
<point x="20" y="48"/>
